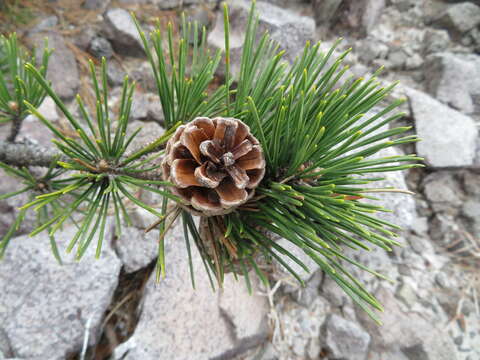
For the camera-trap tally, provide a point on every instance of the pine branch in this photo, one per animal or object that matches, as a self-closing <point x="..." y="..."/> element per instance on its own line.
<point x="17" y="122"/>
<point x="27" y="154"/>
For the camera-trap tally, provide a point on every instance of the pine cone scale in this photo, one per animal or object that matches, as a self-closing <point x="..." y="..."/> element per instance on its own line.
<point x="209" y="149"/>
<point x="230" y="194"/>
<point x="253" y="160"/>
<point x="242" y="149"/>
<point x="204" y="178"/>
<point x="239" y="176"/>
<point x="206" y="201"/>
<point x="243" y="131"/>
<point x="256" y="177"/>
<point x="191" y="138"/>
<point x="183" y="173"/>
<point x="206" y="125"/>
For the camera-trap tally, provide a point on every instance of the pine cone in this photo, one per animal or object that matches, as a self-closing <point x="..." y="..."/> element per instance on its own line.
<point x="215" y="165"/>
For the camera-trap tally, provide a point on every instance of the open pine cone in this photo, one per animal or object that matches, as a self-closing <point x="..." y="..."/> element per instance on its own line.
<point x="215" y="164"/>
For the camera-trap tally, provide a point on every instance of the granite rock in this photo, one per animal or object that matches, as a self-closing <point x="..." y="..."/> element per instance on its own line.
<point x="459" y="18"/>
<point x="325" y="10"/>
<point x="39" y="294"/>
<point x="445" y="72"/>
<point x="448" y="136"/>
<point x="121" y="31"/>
<point x="345" y="339"/>
<point x="397" y="335"/>
<point x="436" y="40"/>
<point x="172" y="4"/>
<point x="62" y="66"/>
<point x="47" y="23"/>
<point x="443" y="191"/>
<point x="179" y="322"/>
<point x="30" y="126"/>
<point x="101" y="47"/>
<point x="301" y="329"/>
<point x="401" y="205"/>
<point x="356" y="17"/>
<point x="115" y="74"/>
<point x="150" y="131"/>
<point x="139" y="108"/>
<point x="136" y="249"/>
<point x="290" y="30"/>
<point x="96" y="4"/>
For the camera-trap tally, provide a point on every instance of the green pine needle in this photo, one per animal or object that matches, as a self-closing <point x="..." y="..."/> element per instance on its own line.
<point x="16" y="84"/>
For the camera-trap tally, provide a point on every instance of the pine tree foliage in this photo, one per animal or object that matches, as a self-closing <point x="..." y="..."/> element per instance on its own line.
<point x="3" y="58"/>
<point x="310" y="120"/>
<point x="317" y="141"/>
<point x="16" y="84"/>
<point x="100" y="174"/>
<point x="33" y="185"/>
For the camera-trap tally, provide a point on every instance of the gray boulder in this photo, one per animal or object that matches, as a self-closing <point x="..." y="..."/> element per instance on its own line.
<point x="448" y="136"/>
<point x="203" y="16"/>
<point x="46" y="307"/>
<point x="301" y="329"/>
<point x="407" y="333"/>
<point x="155" y="110"/>
<point x="96" y="4"/>
<point x="345" y="339"/>
<point x="443" y="192"/>
<point x="473" y="81"/>
<point x="334" y="293"/>
<point x="471" y="182"/>
<point x="84" y="37"/>
<point x="168" y="4"/>
<point x="459" y="18"/>
<point x="141" y="73"/>
<point x="101" y="47"/>
<point x="62" y="67"/>
<point x="368" y="12"/>
<point x="363" y="15"/>
<point x="402" y="206"/>
<point x="397" y="59"/>
<point x="172" y="4"/>
<point x="9" y="208"/>
<point x="136" y="249"/>
<point x="121" y="31"/>
<point x="139" y="106"/>
<point x="370" y="49"/>
<point x="149" y="132"/>
<point x="290" y="30"/>
<point x="5" y="349"/>
<point x="115" y="74"/>
<point x="47" y="23"/>
<point x="135" y="2"/>
<point x="447" y="231"/>
<point x="448" y="80"/>
<point x="31" y="125"/>
<point x="472" y="39"/>
<point x="471" y="210"/>
<point x="325" y="10"/>
<point x="436" y="40"/>
<point x="179" y="322"/>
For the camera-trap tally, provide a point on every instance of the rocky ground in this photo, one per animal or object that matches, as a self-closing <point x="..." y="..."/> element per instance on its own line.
<point x="113" y="309"/>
